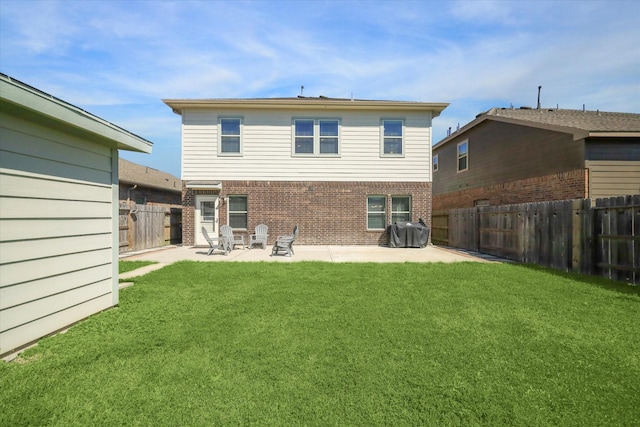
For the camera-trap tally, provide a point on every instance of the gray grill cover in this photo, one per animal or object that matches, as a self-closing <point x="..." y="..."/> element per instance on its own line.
<point x="408" y="234"/>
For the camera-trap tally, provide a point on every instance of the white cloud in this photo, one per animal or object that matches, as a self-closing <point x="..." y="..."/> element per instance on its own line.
<point x="474" y="54"/>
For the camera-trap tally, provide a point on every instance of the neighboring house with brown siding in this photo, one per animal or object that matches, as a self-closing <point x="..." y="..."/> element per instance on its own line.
<point x="342" y="169"/>
<point x="508" y="156"/>
<point x="144" y="185"/>
<point x="58" y="213"/>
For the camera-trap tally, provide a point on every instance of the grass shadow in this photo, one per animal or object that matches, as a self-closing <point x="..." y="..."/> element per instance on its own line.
<point x="602" y="282"/>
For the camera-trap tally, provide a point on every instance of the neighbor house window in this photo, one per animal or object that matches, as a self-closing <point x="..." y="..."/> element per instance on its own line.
<point x="376" y="212"/>
<point x="400" y="209"/>
<point x="230" y="136"/>
<point x="463" y="156"/>
<point x="316" y="137"/>
<point x="238" y="212"/>
<point x="392" y="137"/>
<point x="435" y="163"/>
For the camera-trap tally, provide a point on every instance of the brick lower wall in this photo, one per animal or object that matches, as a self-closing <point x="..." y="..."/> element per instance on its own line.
<point x="332" y="213"/>
<point x="561" y="186"/>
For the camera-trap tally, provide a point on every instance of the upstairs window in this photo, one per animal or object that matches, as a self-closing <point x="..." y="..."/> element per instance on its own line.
<point x="316" y="137"/>
<point x="230" y="136"/>
<point x="328" y="137"/>
<point x="238" y="212"/>
<point x="400" y="209"/>
<point x="304" y="136"/>
<point x="376" y="212"/>
<point x="463" y="156"/>
<point x="392" y="137"/>
<point x="435" y="163"/>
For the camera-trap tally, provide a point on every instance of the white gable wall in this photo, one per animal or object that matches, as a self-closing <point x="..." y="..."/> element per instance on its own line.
<point x="56" y="230"/>
<point x="267" y="148"/>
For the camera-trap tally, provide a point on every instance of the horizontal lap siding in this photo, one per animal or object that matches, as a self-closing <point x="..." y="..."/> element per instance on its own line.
<point x="608" y="178"/>
<point x="267" y="149"/>
<point x="501" y="152"/>
<point x="38" y="327"/>
<point x="56" y="231"/>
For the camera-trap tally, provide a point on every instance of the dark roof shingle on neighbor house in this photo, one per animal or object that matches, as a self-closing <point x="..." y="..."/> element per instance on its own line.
<point x="133" y="173"/>
<point x="593" y="121"/>
<point x="580" y="123"/>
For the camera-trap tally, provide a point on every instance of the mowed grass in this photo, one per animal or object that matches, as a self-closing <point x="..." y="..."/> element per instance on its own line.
<point x="341" y="344"/>
<point x="126" y="266"/>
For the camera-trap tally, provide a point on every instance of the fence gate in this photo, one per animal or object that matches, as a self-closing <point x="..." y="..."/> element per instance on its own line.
<point x="148" y="226"/>
<point x="617" y="238"/>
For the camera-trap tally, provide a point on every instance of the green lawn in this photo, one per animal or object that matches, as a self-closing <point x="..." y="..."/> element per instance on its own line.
<point x="126" y="266"/>
<point x="341" y="344"/>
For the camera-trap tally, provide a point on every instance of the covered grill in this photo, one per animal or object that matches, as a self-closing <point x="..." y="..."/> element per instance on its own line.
<point x="408" y="234"/>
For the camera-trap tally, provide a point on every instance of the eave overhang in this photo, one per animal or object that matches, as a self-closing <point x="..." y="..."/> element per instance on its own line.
<point x="178" y="105"/>
<point x="26" y="101"/>
<point x="575" y="132"/>
<point x="204" y="185"/>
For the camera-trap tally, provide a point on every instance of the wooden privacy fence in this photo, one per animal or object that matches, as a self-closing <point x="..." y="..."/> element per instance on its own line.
<point x="598" y="237"/>
<point x="149" y="226"/>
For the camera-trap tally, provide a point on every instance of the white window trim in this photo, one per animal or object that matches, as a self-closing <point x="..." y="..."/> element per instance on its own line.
<point x="220" y="152"/>
<point x="229" y="211"/>
<point x="407" y="196"/>
<point x="316" y="137"/>
<point x="466" y="141"/>
<point x="404" y="140"/>
<point x="435" y="163"/>
<point x="384" y="212"/>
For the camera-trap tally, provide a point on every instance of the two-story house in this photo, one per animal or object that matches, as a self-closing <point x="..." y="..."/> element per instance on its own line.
<point x="342" y="169"/>
<point x="508" y="156"/>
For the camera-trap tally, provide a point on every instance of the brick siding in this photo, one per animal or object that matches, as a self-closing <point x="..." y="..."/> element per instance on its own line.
<point x="332" y="213"/>
<point x="561" y="186"/>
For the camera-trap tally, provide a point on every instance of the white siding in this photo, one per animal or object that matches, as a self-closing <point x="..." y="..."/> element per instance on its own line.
<point x="267" y="148"/>
<point x="608" y="178"/>
<point x="56" y="230"/>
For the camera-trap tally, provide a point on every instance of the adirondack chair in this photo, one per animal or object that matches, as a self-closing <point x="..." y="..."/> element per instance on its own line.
<point x="260" y="236"/>
<point x="285" y="243"/>
<point x="231" y="239"/>
<point x="215" y="243"/>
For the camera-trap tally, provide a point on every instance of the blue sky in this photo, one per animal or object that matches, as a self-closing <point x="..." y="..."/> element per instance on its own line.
<point x="118" y="59"/>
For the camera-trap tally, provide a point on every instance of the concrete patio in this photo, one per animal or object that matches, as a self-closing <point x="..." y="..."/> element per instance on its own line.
<point x="170" y="254"/>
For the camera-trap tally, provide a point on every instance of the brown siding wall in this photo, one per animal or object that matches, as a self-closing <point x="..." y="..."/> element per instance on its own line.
<point x="503" y="152"/>
<point x="561" y="186"/>
<point x="332" y="213"/>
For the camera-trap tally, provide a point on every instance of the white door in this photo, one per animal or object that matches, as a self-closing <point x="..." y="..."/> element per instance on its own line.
<point x="207" y="217"/>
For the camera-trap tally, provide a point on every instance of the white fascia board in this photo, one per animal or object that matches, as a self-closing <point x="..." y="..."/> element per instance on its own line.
<point x="32" y="100"/>
<point x="204" y="186"/>
<point x="178" y="105"/>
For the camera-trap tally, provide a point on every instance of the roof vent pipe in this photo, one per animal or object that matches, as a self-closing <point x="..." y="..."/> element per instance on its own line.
<point x="539" y="89"/>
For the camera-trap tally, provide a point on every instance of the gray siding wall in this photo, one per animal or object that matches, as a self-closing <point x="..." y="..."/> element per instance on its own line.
<point x="503" y="152"/>
<point x="56" y="230"/>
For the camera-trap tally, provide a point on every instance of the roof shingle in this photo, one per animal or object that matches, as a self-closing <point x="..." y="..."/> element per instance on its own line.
<point x="592" y="121"/>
